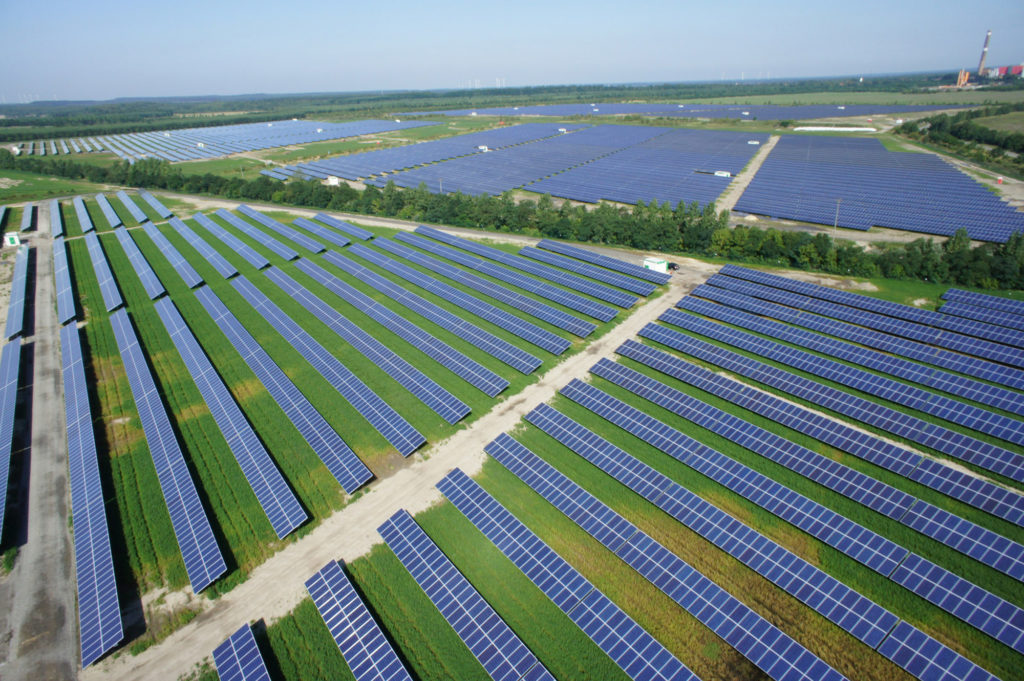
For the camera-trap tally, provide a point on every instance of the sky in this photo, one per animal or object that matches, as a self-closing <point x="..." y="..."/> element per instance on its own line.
<point x="104" y="49"/>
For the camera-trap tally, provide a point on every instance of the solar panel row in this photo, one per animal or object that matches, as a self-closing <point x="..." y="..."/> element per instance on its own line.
<point x="968" y="488"/>
<point x="322" y="232"/>
<point x="238" y="658"/>
<point x="258" y="235"/>
<point x="82" y="213"/>
<point x="528" y="331"/>
<point x="604" y="261"/>
<point x="56" y="219"/>
<point x="99" y="611"/>
<point x="28" y="214"/>
<point x="9" y="366"/>
<point x="442" y="402"/>
<point x="62" y="278"/>
<point x="108" y="211"/>
<point x="455" y="361"/>
<point x="199" y="551"/>
<point x="150" y="282"/>
<point x="16" y="304"/>
<point x="182" y="266"/>
<point x="503" y="656"/>
<point x="630" y="646"/>
<point x="381" y="416"/>
<point x="155" y="204"/>
<point x="219" y="263"/>
<point x="984" y="300"/>
<point x="247" y="252"/>
<point x="643" y="288"/>
<point x="984" y="314"/>
<point x="488" y="342"/>
<point x="758" y="640"/>
<point x="108" y="287"/>
<point x="342" y="226"/>
<point x="296" y="237"/>
<point x="129" y="205"/>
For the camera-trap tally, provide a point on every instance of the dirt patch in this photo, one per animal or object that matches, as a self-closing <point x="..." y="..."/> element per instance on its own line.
<point x="9" y="182"/>
<point x="192" y="412"/>
<point x="921" y="302"/>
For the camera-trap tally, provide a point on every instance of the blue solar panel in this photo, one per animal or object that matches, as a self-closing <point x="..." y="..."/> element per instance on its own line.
<point x="927" y="659"/>
<point x="366" y="650"/>
<point x="238" y="658"/>
<point x="203" y="560"/>
<point x="155" y="204"/>
<point x="997" y="303"/>
<point x="105" y="278"/>
<point x="517" y="326"/>
<point x="258" y="235"/>
<point x="184" y="269"/>
<point x="527" y="283"/>
<point x="643" y="288"/>
<point x="503" y="656"/>
<point x="381" y="416"/>
<point x="966" y="487"/>
<point x="279" y="503"/>
<point x="839" y="532"/>
<point x="339" y="458"/>
<point x="631" y="647"/>
<point x="9" y="363"/>
<point x="56" y="220"/>
<point x="570" y="281"/>
<point x="841" y="605"/>
<point x="322" y="232"/>
<point x="984" y="314"/>
<point x="442" y="402"/>
<point x="219" y="263"/>
<point x="99" y="611"/>
<point x="342" y="226"/>
<point x="82" y="213"/>
<point x="758" y="640"/>
<point x="28" y="214"/>
<point x="16" y="303"/>
<point x="469" y="370"/>
<point x="952" y="443"/>
<point x="108" y="211"/>
<point x="605" y="261"/>
<point x="247" y="252"/>
<point x="150" y="282"/>
<point x="296" y="237"/>
<point x="130" y="206"/>
<point x="535" y="308"/>
<point x="62" y="277"/>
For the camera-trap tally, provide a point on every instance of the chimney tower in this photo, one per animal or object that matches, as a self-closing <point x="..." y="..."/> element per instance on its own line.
<point x="984" y="53"/>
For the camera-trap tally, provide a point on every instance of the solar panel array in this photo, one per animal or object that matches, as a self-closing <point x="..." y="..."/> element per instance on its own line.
<point x="758" y="640"/>
<point x="199" y="551"/>
<point x="82" y="213"/>
<point x="439" y="400"/>
<point x="218" y="261"/>
<point x="321" y="231"/>
<point x="496" y="347"/>
<point x="56" y="220"/>
<point x="632" y="648"/>
<point x="16" y="303"/>
<point x="62" y="277"/>
<point x="99" y="611"/>
<point x="238" y="658"/>
<point x="643" y="288"/>
<point x="367" y="652"/>
<point x="155" y="204"/>
<point x="258" y="235"/>
<point x="10" y="360"/>
<point x="1011" y="306"/>
<point x="983" y="314"/>
<point x="455" y="361"/>
<point x="953" y="482"/>
<point x="248" y="253"/>
<point x="548" y="292"/>
<point x="351" y="230"/>
<point x="131" y="207"/>
<point x="926" y="658"/>
<point x="569" y="281"/>
<point x="296" y="237"/>
<point x="108" y="211"/>
<point x="950" y="442"/>
<point x="28" y="214"/>
<point x="604" y="261"/>
<point x="150" y="282"/>
<point x="804" y="176"/>
<point x="275" y="497"/>
<point x="503" y="656"/>
<point x="339" y="458"/>
<point x="182" y="266"/>
<point x="381" y="416"/>
<point x="542" y="338"/>
<point x="105" y="278"/>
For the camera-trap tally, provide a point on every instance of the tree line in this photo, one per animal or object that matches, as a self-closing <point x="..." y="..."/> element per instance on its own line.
<point x="684" y="229"/>
<point x="961" y="135"/>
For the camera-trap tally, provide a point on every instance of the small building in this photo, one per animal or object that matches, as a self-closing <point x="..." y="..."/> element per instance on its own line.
<point x="656" y="264"/>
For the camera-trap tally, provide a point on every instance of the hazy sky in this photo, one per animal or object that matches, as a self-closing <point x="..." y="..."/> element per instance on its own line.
<point x="100" y="49"/>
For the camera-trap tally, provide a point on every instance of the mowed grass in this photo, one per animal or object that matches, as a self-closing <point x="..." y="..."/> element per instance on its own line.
<point x="17" y="186"/>
<point x="1010" y="122"/>
<point x="937" y="99"/>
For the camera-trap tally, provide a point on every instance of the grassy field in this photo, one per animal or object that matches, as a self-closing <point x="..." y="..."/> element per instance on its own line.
<point x="17" y="186"/>
<point x="1011" y="122"/>
<point x="881" y="98"/>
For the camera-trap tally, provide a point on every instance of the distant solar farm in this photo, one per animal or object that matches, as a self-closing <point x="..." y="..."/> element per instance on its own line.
<point x="769" y="478"/>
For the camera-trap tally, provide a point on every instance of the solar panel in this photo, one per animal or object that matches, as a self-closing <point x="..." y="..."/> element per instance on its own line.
<point x="130" y="206"/>
<point x="535" y="308"/>
<point x="503" y="656"/>
<point x="199" y="551"/>
<point x="631" y="647"/>
<point x="150" y="282"/>
<point x="247" y="252"/>
<point x="275" y="497"/>
<point x="926" y="658"/>
<point x="957" y="484"/>
<point x="643" y="288"/>
<point x="984" y="300"/>
<point x="108" y="287"/>
<point x="56" y="220"/>
<point x="99" y="612"/>
<point x="16" y="303"/>
<point x="258" y="235"/>
<point x="952" y="443"/>
<point x="488" y="342"/>
<point x="758" y="640"/>
<point x="841" y="605"/>
<point x="605" y="261"/>
<point x="238" y="658"/>
<point x="983" y="314"/>
<point x="527" y="283"/>
<point x="469" y="370"/>
<point x="322" y="232"/>
<point x="339" y="458"/>
<point x="155" y="204"/>
<point x="184" y="269"/>
<point x="381" y="416"/>
<point x="296" y="237"/>
<point x="28" y="214"/>
<point x="351" y="230"/>
<point x="439" y="400"/>
<point x="219" y="263"/>
<point x="62" y="277"/>
<point x="366" y="650"/>
<point x="82" y="213"/>
<point x="569" y="281"/>
<point x="9" y="362"/>
<point x="108" y="211"/>
<point x="542" y="338"/>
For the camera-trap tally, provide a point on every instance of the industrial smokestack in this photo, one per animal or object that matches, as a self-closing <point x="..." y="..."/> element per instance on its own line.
<point x="984" y="53"/>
